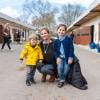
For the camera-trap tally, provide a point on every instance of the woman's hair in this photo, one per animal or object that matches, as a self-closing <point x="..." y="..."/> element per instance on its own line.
<point x="62" y="25"/>
<point x="32" y="36"/>
<point x="1" y="29"/>
<point x="46" y="29"/>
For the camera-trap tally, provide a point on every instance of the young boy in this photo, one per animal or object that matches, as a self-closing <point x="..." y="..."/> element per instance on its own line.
<point x="64" y="52"/>
<point x="32" y="54"/>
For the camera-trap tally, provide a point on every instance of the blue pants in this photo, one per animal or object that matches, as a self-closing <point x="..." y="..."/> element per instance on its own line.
<point x="7" y="41"/>
<point x="30" y="72"/>
<point x="46" y="69"/>
<point x="62" y="69"/>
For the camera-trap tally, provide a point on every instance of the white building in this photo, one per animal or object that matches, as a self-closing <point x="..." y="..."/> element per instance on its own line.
<point x="15" y="26"/>
<point x="87" y="27"/>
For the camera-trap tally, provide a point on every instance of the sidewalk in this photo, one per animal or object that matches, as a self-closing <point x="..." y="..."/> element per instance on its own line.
<point x="86" y="47"/>
<point x="13" y="87"/>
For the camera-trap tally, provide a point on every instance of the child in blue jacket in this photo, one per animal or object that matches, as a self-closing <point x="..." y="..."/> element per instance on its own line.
<point x="64" y="52"/>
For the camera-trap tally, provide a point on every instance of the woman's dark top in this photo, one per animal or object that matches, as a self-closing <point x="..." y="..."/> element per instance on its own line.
<point x="1" y="29"/>
<point x="7" y="31"/>
<point x="47" y="50"/>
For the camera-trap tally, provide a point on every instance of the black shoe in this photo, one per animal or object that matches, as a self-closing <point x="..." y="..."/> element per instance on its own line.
<point x="28" y="83"/>
<point x="60" y="84"/>
<point x="85" y="87"/>
<point x="32" y="81"/>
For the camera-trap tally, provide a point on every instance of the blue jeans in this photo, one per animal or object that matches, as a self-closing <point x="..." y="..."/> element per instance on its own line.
<point x="30" y="72"/>
<point x="62" y="69"/>
<point x="46" y="69"/>
<point x="6" y="41"/>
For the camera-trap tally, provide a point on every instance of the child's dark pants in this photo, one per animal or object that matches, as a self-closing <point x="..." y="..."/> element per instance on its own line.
<point x="31" y="69"/>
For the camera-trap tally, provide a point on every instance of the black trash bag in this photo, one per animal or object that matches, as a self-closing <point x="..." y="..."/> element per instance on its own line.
<point x="75" y="76"/>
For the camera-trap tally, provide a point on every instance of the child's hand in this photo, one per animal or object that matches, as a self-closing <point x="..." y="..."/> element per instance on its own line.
<point x="40" y="61"/>
<point x="58" y="60"/>
<point x="39" y="64"/>
<point x="70" y="61"/>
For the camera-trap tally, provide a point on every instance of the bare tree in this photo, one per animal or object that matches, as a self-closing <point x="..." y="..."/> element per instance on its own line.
<point x="23" y="17"/>
<point x="70" y="13"/>
<point x="43" y="14"/>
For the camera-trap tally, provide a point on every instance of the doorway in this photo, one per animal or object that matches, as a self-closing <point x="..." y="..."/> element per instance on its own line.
<point x="92" y="33"/>
<point x="99" y="33"/>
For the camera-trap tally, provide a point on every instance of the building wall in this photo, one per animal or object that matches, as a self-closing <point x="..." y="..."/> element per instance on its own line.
<point x="13" y="31"/>
<point x="82" y="35"/>
<point x="95" y="21"/>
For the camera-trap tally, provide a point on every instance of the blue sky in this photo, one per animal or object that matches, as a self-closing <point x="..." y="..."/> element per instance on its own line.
<point x="13" y="8"/>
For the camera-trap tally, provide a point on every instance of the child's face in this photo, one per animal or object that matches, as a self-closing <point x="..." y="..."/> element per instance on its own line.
<point x="61" y="31"/>
<point x="44" y="34"/>
<point x="33" y="41"/>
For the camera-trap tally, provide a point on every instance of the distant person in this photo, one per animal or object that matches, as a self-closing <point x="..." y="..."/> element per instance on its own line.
<point x="72" y="36"/>
<point x="1" y="29"/>
<point x="21" y="36"/>
<point x="7" y="37"/>
<point x="18" y="37"/>
<point x="64" y="53"/>
<point x="32" y="54"/>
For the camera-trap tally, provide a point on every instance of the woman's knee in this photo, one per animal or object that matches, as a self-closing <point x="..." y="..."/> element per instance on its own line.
<point x="39" y="66"/>
<point x="46" y="70"/>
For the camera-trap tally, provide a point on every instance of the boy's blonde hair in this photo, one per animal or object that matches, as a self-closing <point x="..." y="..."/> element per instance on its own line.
<point x="32" y="36"/>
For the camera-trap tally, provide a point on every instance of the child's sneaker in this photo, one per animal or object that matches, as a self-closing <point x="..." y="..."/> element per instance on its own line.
<point x="32" y="81"/>
<point x="28" y="83"/>
<point x="60" y="84"/>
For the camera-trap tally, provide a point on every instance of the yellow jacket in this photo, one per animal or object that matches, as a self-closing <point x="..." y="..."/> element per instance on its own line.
<point x="31" y="55"/>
